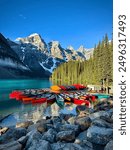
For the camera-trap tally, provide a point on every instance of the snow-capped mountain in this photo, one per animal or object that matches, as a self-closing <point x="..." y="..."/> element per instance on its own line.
<point x="42" y="58"/>
<point x="40" y="63"/>
<point x="54" y="49"/>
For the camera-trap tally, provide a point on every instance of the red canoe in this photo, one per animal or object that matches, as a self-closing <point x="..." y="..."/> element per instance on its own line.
<point x="39" y="100"/>
<point x="80" y="102"/>
<point x="14" y="94"/>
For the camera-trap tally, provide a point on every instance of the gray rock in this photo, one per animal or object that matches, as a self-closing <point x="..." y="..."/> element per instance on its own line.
<point x="99" y="114"/>
<point x="41" y="127"/>
<point x="67" y="127"/>
<point x="107" y="118"/>
<point x="99" y="135"/>
<point x="44" y="145"/>
<point x="58" y="146"/>
<point x="24" y="124"/>
<point x="110" y="111"/>
<point x="49" y="126"/>
<point x="66" y="136"/>
<point x="102" y="123"/>
<point x="66" y="116"/>
<point x="109" y="146"/>
<point x="3" y="130"/>
<point x="32" y="127"/>
<point x="68" y="146"/>
<point x="71" y="120"/>
<point x="82" y="110"/>
<point x="57" y="126"/>
<point x="56" y="120"/>
<point x="42" y="121"/>
<point x="86" y="145"/>
<point x="104" y="104"/>
<point x="50" y="136"/>
<point x="83" y="122"/>
<point x="33" y="138"/>
<point x="11" y="146"/>
<point x="23" y="140"/>
<point x="81" y="137"/>
<point x="13" y="134"/>
<point x="40" y="145"/>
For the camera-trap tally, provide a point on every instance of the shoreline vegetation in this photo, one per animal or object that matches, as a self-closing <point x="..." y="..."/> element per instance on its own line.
<point x="97" y="70"/>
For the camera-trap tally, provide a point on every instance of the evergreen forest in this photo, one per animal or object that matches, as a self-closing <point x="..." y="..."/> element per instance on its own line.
<point x="97" y="70"/>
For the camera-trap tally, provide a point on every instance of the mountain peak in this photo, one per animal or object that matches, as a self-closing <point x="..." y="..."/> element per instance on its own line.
<point x="70" y="47"/>
<point x="34" y="34"/>
<point x="55" y="43"/>
<point x="34" y="40"/>
<point x="81" y="48"/>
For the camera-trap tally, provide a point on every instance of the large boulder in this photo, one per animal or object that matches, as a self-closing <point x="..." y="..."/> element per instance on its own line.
<point x="67" y="127"/>
<point x="67" y="136"/>
<point x="68" y="146"/>
<point x="50" y="136"/>
<point x="56" y="120"/>
<point x="81" y="137"/>
<point x="42" y="121"/>
<point x="102" y="123"/>
<point x="82" y="140"/>
<point x="14" y="145"/>
<point x="104" y="104"/>
<point x="99" y="135"/>
<point x="33" y="139"/>
<point x="43" y="145"/>
<point x="42" y="128"/>
<point x="83" y="122"/>
<point x="99" y="114"/>
<point x="40" y="145"/>
<point x="32" y="127"/>
<point x="83" y="111"/>
<point x="3" y="130"/>
<point x="23" y="140"/>
<point x="40" y="125"/>
<point x="24" y="124"/>
<point x="109" y="146"/>
<point x="13" y="134"/>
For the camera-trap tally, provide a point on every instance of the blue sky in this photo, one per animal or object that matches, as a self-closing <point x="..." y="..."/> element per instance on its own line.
<point x="72" y="22"/>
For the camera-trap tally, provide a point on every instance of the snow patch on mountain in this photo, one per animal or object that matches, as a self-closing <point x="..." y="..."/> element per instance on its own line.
<point x="52" y="68"/>
<point x="34" y="34"/>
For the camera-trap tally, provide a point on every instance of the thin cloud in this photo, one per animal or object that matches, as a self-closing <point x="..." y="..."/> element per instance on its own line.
<point x="22" y="16"/>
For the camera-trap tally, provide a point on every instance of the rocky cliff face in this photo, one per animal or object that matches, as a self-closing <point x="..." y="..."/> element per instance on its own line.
<point x="10" y="63"/>
<point x="54" y="48"/>
<point x="39" y="57"/>
<point x="86" y="52"/>
<point x="36" y="41"/>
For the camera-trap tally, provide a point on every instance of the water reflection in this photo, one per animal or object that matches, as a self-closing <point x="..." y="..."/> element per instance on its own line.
<point x="21" y="112"/>
<point x="37" y="112"/>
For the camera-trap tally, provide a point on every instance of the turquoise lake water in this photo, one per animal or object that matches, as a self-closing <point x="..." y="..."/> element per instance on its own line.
<point x="20" y="111"/>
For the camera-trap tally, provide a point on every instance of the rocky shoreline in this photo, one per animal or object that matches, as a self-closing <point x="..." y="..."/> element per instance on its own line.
<point x="90" y="129"/>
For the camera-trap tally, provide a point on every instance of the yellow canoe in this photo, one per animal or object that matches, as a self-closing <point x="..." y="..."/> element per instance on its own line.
<point x="55" y="88"/>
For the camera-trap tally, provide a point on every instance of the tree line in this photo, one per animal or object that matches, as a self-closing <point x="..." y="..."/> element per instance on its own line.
<point x="97" y="70"/>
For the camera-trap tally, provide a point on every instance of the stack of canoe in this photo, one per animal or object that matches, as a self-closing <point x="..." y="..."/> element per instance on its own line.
<point x="68" y="88"/>
<point x="66" y="94"/>
<point x="61" y="99"/>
